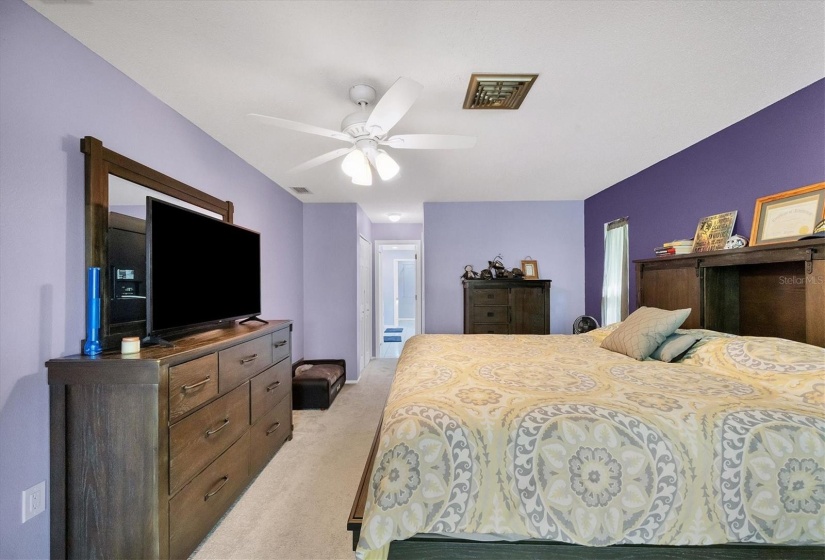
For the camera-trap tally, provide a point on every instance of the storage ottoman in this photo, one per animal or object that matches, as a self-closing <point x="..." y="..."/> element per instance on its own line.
<point x="316" y="383"/>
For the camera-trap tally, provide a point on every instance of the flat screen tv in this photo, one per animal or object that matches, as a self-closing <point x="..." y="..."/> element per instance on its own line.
<point x="200" y="270"/>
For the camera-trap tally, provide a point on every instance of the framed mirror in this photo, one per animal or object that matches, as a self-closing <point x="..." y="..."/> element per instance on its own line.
<point x="116" y="190"/>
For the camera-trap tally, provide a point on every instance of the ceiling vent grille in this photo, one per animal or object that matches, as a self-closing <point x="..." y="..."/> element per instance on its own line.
<point x="301" y="190"/>
<point x="498" y="91"/>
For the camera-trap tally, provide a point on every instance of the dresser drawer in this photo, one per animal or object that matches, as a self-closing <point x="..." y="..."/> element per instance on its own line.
<point x="192" y="384"/>
<point x="280" y="344"/>
<point x="269" y="387"/>
<point x="270" y="432"/>
<point x="491" y="328"/>
<point x="491" y="314"/>
<point x="239" y="363"/>
<point x="196" y="508"/>
<point x="203" y="435"/>
<point x="491" y="296"/>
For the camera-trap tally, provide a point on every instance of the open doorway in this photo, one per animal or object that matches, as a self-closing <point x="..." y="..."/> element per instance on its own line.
<point x="398" y="295"/>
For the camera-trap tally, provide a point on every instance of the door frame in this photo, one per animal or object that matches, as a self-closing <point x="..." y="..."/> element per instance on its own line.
<point x="378" y="309"/>
<point x="365" y="319"/>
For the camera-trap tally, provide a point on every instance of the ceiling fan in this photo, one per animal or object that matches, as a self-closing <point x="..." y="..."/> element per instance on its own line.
<point x="367" y="132"/>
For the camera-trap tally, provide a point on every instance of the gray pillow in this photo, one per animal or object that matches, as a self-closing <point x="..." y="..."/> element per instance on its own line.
<point x="674" y="346"/>
<point x="644" y="330"/>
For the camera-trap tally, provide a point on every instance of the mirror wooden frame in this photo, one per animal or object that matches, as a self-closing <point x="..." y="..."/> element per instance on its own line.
<point x="100" y="162"/>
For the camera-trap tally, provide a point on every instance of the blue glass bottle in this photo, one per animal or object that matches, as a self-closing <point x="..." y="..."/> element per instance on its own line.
<point x="92" y="346"/>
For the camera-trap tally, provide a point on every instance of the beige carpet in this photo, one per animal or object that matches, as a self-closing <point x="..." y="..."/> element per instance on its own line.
<point x="297" y="508"/>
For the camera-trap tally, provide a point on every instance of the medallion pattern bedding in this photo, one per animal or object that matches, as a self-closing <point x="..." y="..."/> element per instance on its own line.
<point x="553" y="437"/>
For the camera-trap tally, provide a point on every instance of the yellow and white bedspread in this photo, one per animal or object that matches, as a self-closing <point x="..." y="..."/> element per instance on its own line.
<point x="552" y="437"/>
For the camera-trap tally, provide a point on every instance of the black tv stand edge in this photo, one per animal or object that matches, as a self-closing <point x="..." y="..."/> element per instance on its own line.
<point x="156" y="340"/>
<point x="253" y="318"/>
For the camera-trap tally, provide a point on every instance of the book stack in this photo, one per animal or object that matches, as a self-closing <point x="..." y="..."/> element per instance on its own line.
<point x="677" y="247"/>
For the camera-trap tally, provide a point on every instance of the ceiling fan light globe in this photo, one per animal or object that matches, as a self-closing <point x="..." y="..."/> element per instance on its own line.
<point x="355" y="163"/>
<point x="386" y="166"/>
<point x="363" y="177"/>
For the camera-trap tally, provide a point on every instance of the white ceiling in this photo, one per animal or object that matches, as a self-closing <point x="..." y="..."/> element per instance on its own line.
<point x="622" y="84"/>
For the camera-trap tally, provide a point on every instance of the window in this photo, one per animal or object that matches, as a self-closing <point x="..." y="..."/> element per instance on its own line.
<point x="615" y="286"/>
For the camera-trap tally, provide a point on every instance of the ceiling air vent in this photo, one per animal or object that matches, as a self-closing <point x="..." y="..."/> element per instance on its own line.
<point x="498" y="91"/>
<point x="301" y="190"/>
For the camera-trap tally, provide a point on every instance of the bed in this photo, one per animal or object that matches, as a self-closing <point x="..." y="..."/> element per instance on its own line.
<point x="491" y="439"/>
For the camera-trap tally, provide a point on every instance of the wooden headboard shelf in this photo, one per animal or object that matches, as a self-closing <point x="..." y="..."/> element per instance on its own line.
<point x="768" y="290"/>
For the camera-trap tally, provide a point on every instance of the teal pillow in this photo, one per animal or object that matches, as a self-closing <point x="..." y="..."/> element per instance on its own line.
<point x="644" y="330"/>
<point x="674" y="346"/>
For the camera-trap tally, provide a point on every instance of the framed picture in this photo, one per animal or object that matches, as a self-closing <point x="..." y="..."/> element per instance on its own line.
<point x="789" y="215"/>
<point x="713" y="232"/>
<point x="530" y="270"/>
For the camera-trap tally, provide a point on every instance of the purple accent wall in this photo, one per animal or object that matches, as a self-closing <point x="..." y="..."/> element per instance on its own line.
<point x="330" y="283"/>
<point x="779" y="148"/>
<point x="461" y="233"/>
<point x="53" y="91"/>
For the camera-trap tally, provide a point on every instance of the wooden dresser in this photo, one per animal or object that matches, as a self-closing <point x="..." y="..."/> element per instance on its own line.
<point x="505" y="306"/>
<point x="768" y="290"/>
<point x="149" y="450"/>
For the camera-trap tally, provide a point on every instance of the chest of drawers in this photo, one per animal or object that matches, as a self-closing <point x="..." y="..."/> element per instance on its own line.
<point x="506" y="306"/>
<point x="149" y="450"/>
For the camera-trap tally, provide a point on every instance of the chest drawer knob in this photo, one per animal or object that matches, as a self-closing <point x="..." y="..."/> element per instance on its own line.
<point x="273" y="386"/>
<point x="195" y="385"/>
<point x="251" y="358"/>
<point x="273" y="428"/>
<point x="219" y="486"/>
<point x="219" y="428"/>
<point x="279" y="343"/>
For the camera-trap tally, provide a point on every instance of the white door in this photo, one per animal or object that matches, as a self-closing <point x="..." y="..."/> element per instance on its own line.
<point x="365" y="304"/>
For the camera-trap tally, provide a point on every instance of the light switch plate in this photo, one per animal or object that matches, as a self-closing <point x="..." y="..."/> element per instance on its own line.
<point x="34" y="501"/>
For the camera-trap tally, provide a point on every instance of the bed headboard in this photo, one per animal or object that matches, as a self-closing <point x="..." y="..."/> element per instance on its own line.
<point x="768" y="290"/>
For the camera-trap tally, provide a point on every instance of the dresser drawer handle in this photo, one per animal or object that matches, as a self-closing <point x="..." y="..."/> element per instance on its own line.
<point x="218" y="429"/>
<point x="221" y="483"/>
<point x="251" y="358"/>
<point x="491" y="313"/>
<point x="273" y="386"/>
<point x="195" y="385"/>
<point x="279" y="343"/>
<point x="273" y="428"/>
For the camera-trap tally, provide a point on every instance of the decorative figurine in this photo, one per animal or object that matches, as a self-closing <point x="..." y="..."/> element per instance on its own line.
<point x="469" y="273"/>
<point x="496" y="267"/>
<point x="736" y="241"/>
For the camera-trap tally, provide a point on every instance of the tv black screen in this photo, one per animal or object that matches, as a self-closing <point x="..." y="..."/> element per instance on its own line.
<point x="200" y="269"/>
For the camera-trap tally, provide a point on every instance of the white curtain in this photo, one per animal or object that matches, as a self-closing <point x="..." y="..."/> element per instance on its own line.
<point x="615" y="286"/>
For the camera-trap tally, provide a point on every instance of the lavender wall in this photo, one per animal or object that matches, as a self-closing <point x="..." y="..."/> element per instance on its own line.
<point x="460" y="233"/>
<point x="392" y="232"/>
<point x="779" y="148"/>
<point x="53" y="91"/>
<point x="330" y="283"/>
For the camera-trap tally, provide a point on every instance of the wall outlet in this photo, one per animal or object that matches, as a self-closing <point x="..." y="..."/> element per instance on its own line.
<point x="34" y="501"/>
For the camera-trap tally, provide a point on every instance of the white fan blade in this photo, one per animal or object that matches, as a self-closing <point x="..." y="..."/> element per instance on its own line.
<point x="394" y="105"/>
<point x="301" y="127"/>
<point x="323" y="158"/>
<point x="429" y="142"/>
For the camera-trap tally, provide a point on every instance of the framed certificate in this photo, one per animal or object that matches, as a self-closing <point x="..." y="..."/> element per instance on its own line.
<point x="789" y="215"/>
